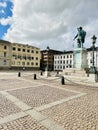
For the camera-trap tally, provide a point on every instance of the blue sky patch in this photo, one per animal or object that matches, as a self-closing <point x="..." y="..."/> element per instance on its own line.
<point x="5" y="12"/>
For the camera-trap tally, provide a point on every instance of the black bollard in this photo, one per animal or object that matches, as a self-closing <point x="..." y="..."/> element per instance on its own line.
<point x="87" y="74"/>
<point x="41" y="73"/>
<point x="34" y="76"/>
<point x="57" y="72"/>
<point x="62" y="80"/>
<point x="19" y="74"/>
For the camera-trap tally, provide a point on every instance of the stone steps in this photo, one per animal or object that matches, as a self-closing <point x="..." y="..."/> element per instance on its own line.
<point x="74" y="72"/>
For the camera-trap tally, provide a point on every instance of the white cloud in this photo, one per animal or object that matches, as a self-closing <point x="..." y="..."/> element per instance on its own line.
<point x="7" y="21"/>
<point x="3" y="4"/>
<point x="2" y="11"/>
<point x="51" y="22"/>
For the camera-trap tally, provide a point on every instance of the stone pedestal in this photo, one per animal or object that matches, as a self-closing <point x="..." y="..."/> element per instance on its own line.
<point x="47" y="73"/>
<point x="80" y="58"/>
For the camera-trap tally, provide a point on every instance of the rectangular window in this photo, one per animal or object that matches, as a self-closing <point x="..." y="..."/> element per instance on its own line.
<point x="14" y="56"/>
<point x="4" y="62"/>
<point x="4" y="54"/>
<point x="36" y="58"/>
<point x="36" y="52"/>
<point x="63" y="62"/>
<point x="24" y="50"/>
<point x="70" y="66"/>
<point x="13" y="62"/>
<point x="28" y="50"/>
<point x="29" y="58"/>
<point x="70" y="56"/>
<point x="24" y="57"/>
<point x="23" y="63"/>
<point x="19" y="49"/>
<point x="14" y="48"/>
<point x="5" y="47"/>
<point x="18" y="63"/>
<point x="32" y="63"/>
<point x="32" y="51"/>
<point x="28" y="63"/>
<point x="18" y="56"/>
<point x="91" y="61"/>
<point x="70" y="61"/>
<point x="36" y="64"/>
<point x="63" y="67"/>
<point x="32" y="58"/>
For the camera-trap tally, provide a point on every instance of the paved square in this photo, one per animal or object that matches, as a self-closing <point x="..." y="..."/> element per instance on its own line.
<point x="45" y="104"/>
<point x="24" y="123"/>
<point x="7" y="107"/>
<point x="78" y="114"/>
<point x="40" y="95"/>
<point x="14" y="83"/>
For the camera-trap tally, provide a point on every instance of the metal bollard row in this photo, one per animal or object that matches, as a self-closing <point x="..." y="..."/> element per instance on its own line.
<point x="62" y="80"/>
<point x="35" y="77"/>
<point x="41" y="73"/>
<point x="19" y="74"/>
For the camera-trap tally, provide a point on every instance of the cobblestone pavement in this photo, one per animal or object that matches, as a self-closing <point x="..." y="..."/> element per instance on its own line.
<point x="37" y="96"/>
<point x="24" y="123"/>
<point x="7" y="107"/>
<point x="45" y="104"/>
<point x="14" y="83"/>
<point x="77" y="114"/>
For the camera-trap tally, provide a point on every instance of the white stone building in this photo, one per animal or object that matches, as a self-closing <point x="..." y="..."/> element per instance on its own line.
<point x="65" y="60"/>
<point x="90" y="55"/>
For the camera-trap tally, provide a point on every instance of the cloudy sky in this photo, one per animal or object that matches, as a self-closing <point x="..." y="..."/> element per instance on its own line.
<point x="45" y="23"/>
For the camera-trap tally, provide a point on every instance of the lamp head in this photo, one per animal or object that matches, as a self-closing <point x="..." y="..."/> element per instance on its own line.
<point x="94" y="39"/>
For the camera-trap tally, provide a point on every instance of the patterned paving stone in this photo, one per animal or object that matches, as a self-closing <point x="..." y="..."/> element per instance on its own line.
<point x="7" y="107"/>
<point x="14" y="83"/>
<point x="37" y="96"/>
<point x="77" y="114"/>
<point x="25" y="123"/>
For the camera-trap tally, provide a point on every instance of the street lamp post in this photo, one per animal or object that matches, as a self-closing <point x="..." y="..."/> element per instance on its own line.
<point x="47" y="73"/>
<point x="93" y="69"/>
<point x="47" y="67"/>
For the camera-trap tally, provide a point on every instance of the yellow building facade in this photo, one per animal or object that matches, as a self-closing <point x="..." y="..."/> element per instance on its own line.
<point x="21" y="56"/>
<point x="5" y="54"/>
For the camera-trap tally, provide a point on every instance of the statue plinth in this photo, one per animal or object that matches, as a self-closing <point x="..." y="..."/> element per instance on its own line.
<point x="47" y="73"/>
<point x="80" y="58"/>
